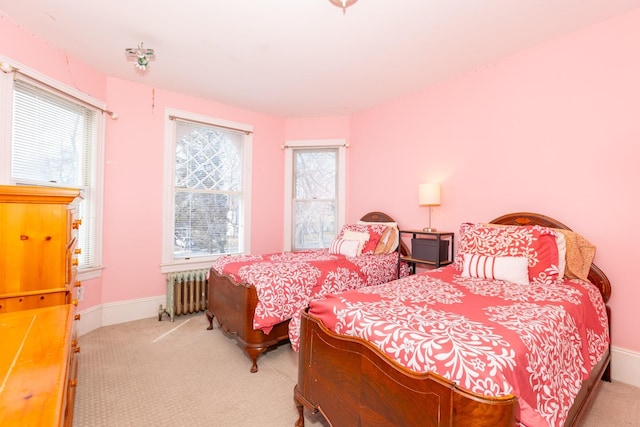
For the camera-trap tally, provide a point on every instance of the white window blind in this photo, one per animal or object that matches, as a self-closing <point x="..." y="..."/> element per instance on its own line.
<point x="53" y="144"/>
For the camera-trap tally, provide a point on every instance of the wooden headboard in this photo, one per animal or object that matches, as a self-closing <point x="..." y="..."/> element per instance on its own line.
<point x="596" y="276"/>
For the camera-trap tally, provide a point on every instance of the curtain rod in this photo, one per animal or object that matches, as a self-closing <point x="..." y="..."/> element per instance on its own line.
<point x="246" y="132"/>
<point x="284" y="146"/>
<point x="16" y="71"/>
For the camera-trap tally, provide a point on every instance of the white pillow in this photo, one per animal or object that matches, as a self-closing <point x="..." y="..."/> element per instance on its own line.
<point x="561" y="242"/>
<point x="509" y="268"/>
<point x="356" y="235"/>
<point x="344" y="247"/>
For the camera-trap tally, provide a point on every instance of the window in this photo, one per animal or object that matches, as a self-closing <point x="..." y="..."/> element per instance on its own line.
<point x="314" y="193"/>
<point x="207" y="190"/>
<point x="56" y="140"/>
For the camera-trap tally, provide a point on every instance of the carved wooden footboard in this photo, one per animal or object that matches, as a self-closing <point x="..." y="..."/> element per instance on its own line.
<point x="233" y="305"/>
<point x="352" y="383"/>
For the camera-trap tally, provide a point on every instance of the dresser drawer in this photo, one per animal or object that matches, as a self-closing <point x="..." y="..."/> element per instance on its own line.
<point x="71" y="262"/>
<point x="72" y="377"/>
<point x="73" y="223"/>
<point x="28" y="302"/>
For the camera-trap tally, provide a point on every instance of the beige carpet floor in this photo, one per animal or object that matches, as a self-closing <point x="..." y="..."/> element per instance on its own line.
<point x="151" y="373"/>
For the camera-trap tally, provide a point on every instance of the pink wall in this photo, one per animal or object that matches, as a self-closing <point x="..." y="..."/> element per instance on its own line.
<point x="133" y="184"/>
<point x="317" y="128"/>
<point x="134" y="165"/>
<point x="20" y="45"/>
<point x="554" y="130"/>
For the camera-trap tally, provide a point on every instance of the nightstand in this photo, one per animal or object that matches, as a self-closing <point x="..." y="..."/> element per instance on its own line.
<point x="431" y="248"/>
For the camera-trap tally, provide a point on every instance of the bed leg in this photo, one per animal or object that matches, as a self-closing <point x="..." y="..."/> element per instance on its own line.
<point x="210" y="317"/>
<point x="253" y="354"/>
<point x="300" y="407"/>
<point x="606" y="376"/>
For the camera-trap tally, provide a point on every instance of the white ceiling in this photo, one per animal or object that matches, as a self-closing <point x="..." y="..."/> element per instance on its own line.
<point x="302" y="58"/>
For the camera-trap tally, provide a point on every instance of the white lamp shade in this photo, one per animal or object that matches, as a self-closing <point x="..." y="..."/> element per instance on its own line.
<point x="429" y="194"/>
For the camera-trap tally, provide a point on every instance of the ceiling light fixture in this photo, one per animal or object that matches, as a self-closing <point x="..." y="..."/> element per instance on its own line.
<point x="343" y="4"/>
<point x="141" y="55"/>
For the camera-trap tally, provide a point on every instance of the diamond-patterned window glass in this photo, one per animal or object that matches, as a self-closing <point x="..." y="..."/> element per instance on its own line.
<point x="208" y="190"/>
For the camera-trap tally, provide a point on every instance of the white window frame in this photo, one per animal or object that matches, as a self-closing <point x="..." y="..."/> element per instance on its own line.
<point x="341" y="144"/>
<point x="169" y="263"/>
<point x="97" y="166"/>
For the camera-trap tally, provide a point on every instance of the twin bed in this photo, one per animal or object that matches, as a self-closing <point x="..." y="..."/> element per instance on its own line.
<point x="259" y="299"/>
<point x="514" y="333"/>
<point x="507" y="351"/>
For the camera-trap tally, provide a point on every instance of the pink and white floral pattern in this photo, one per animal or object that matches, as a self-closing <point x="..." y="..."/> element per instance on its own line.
<point x="536" y="243"/>
<point x="374" y="230"/>
<point x="286" y="282"/>
<point x="538" y="342"/>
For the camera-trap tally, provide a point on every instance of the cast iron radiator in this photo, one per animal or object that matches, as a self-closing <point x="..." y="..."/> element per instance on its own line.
<point x="187" y="292"/>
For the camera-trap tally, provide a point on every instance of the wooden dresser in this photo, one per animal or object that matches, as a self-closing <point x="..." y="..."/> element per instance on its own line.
<point x="38" y="273"/>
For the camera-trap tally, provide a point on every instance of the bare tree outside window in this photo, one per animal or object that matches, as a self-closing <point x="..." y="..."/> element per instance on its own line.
<point x="315" y="192"/>
<point x="208" y="190"/>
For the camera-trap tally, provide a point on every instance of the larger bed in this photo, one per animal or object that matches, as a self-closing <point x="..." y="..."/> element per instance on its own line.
<point x="357" y="364"/>
<point x="259" y="322"/>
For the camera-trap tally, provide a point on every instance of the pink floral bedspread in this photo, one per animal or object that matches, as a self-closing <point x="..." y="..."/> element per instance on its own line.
<point x="286" y="282"/>
<point x="491" y="337"/>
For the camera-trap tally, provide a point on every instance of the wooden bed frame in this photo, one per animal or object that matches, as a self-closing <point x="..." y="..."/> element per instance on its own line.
<point x="352" y="383"/>
<point x="233" y="305"/>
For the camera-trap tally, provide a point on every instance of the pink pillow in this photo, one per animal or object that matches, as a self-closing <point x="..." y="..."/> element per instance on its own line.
<point x="374" y="230"/>
<point x="536" y="243"/>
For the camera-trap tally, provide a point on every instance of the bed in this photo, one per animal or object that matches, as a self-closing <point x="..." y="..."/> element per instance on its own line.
<point x="352" y="381"/>
<point x="252" y="297"/>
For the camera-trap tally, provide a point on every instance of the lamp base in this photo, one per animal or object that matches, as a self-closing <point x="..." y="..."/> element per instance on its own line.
<point x="429" y="230"/>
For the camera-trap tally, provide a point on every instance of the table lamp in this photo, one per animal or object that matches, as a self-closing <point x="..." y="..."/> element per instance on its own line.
<point x="429" y="195"/>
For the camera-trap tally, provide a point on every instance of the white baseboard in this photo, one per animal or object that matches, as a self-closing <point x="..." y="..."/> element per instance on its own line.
<point x="119" y="312"/>
<point x="625" y="366"/>
<point x="126" y="311"/>
<point x="90" y="319"/>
